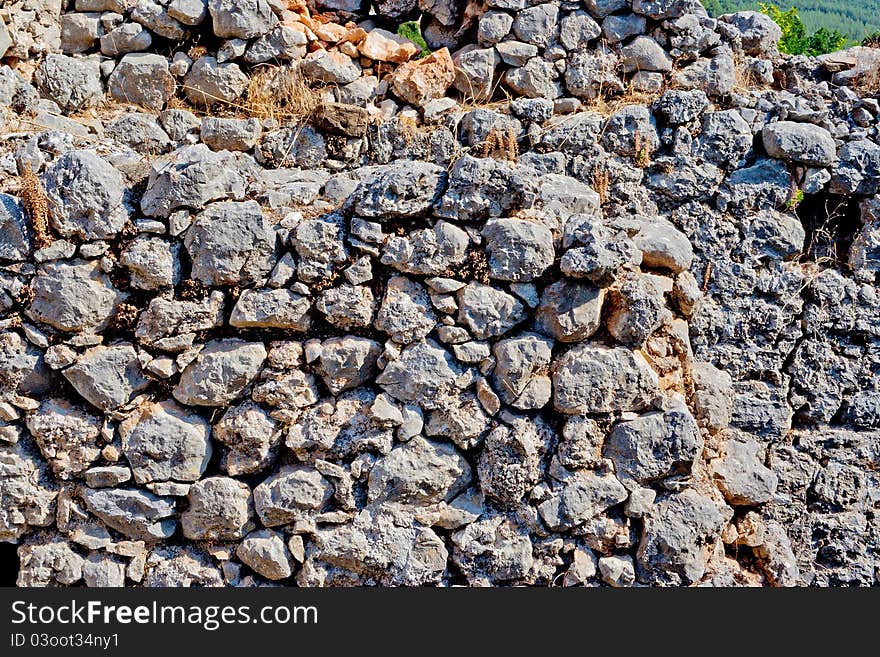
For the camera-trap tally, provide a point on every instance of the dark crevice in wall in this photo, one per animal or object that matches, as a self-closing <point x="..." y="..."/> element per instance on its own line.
<point x="831" y="222"/>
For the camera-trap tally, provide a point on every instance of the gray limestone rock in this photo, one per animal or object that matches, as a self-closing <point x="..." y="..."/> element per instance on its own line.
<point x="73" y="83"/>
<point x="397" y="191"/>
<point x="427" y="251"/>
<point x="570" y="312"/>
<point x="164" y="442"/>
<point x="242" y="19"/>
<point x="73" y="296"/>
<point x="251" y="438"/>
<point x="220" y="372"/>
<point x="674" y="548"/>
<point x="15" y="235"/>
<point x="66" y="435"/>
<point x="142" y="79"/>
<point x="347" y="362"/>
<point x="266" y="553"/>
<point x="220" y="509"/>
<point x="231" y="243"/>
<point x="209" y="82"/>
<point x="518" y="250"/>
<point x="191" y="177"/>
<point x="660" y="447"/>
<point x="290" y="494"/>
<point x="405" y="313"/>
<point x="740" y="472"/>
<point x="596" y="379"/>
<point x="799" y="142"/>
<point x="107" y="377"/>
<point x="419" y="472"/>
<point x="137" y="514"/>
<point x="267" y="308"/>
<point x="520" y="377"/>
<point x="585" y="495"/>
<point x="423" y="374"/>
<point x="487" y="311"/>
<point x="87" y="196"/>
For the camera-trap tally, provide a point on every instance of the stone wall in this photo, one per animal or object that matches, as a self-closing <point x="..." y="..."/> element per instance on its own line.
<point x="587" y="295"/>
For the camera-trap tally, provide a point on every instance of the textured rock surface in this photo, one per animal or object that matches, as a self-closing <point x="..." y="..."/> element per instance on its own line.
<point x="587" y="295"/>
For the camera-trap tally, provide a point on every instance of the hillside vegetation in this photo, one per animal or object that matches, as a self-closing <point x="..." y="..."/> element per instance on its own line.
<point x="853" y="18"/>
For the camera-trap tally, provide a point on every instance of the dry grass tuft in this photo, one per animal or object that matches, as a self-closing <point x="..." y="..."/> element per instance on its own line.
<point x="408" y="128"/>
<point x="281" y="94"/>
<point x="36" y="206"/>
<point x="600" y="179"/>
<point x="499" y="144"/>
<point x="868" y="83"/>
<point x="642" y="155"/>
<point x="608" y="104"/>
<point x="744" y="79"/>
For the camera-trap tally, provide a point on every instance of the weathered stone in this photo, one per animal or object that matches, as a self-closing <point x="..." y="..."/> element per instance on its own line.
<point x="220" y="509"/>
<point x="674" y="548"/>
<point x="107" y="377"/>
<point x="140" y="132"/>
<point x="220" y="372"/>
<point x="74" y="84"/>
<point x="398" y="191"/>
<point x="86" y="194"/>
<point x="27" y="492"/>
<point x="222" y="134"/>
<point x="231" y="243"/>
<point x="243" y="19"/>
<point x="518" y="250"/>
<point x="164" y="442"/>
<point x="419" y="472"/>
<point x="423" y="374"/>
<point x="66" y="435"/>
<point x="73" y="296"/>
<point x="266" y="553"/>
<point x="425" y="79"/>
<point x="291" y="494"/>
<point x="348" y="362"/>
<point x="142" y="79"/>
<point x="510" y="463"/>
<point x="520" y="371"/>
<point x="209" y="82"/>
<point x="266" y="308"/>
<point x="191" y="177"/>
<point x="584" y="496"/>
<point x="405" y="313"/>
<point x="49" y="563"/>
<point x="330" y="67"/>
<point x="595" y="379"/>
<point x="799" y="142"/>
<point x="658" y="447"/>
<point x="135" y="513"/>
<point x="15" y="237"/>
<point x="570" y="312"/>
<point x="251" y="437"/>
<point x="740" y="472"/>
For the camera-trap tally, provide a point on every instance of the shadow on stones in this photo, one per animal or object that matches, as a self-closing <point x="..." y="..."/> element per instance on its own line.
<point x="831" y="222"/>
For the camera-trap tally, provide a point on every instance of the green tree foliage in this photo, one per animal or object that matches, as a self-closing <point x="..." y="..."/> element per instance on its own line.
<point x="795" y="40"/>
<point x="855" y="19"/>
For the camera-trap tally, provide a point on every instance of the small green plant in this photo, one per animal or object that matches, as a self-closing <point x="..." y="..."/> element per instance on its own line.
<point x="872" y="40"/>
<point x="796" y="199"/>
<point x="411" y="30"/>
<point x="795" y="40"/>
